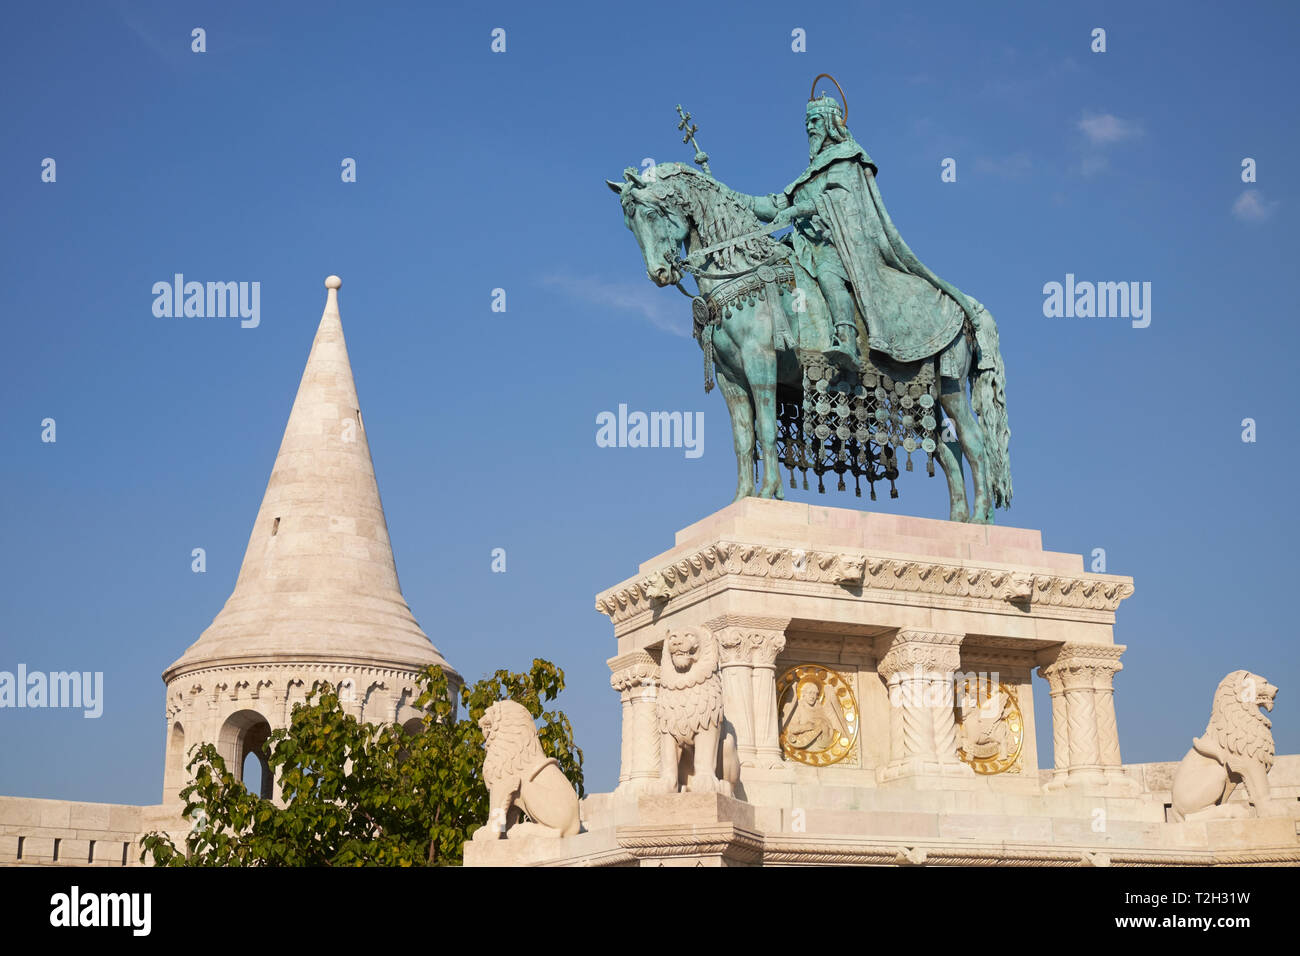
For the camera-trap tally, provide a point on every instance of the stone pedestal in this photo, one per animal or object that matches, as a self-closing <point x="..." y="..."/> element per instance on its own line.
<point x="912" y="644"/>
<point x="907" y="618"/>
<point x="789" y="824"/>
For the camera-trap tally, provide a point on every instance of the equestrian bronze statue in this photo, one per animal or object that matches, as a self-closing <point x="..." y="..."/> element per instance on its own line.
<point x="834" y="346"/>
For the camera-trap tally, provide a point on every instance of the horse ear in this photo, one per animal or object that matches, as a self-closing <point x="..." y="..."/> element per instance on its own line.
<point x="631" y="176"/>
<point x="617" y="187"/>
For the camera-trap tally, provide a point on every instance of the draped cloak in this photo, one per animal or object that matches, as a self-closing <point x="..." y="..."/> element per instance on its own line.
<point x="910" y="313"/>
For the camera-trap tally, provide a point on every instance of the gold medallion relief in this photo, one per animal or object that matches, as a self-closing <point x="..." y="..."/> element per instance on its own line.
<point x="990" y="726"/>
<point x="819" y="715"/>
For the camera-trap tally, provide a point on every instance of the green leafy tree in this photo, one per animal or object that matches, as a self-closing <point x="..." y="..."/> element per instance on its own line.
<point x="360" y="794"/>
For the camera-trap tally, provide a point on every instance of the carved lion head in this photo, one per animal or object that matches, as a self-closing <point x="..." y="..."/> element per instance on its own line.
<point x="511" y="739"/>
<point x="683" y="649"/>
<point x="1236" y="723"/>
<point x="690" y="657"/>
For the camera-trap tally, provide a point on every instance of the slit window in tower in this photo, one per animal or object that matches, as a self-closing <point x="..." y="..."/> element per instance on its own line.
<point x="359" y="421"/>
<point x="275" y="527"/>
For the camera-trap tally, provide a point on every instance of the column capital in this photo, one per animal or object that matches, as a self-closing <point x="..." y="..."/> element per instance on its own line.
<point x="1078" y="665"/>
<point x="634" y="669"/>
<point x="913" y="648"/>
<point x="764" y="649"/>
<point x="748" y="639"/>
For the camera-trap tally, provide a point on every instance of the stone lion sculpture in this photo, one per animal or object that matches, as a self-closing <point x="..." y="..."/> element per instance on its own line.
<point x="1237" y="746"/>
<point x="697" y="744"/>
<point x="521" y="778"/>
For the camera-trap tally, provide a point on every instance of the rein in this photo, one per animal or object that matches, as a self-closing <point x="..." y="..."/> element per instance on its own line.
<point x="706" y="316"/>
<point x="683" y="265"/>
<point x="707" y="312"/>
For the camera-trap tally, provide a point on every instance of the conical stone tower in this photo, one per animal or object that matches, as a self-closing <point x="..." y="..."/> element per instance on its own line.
<point x="317" y="596"/>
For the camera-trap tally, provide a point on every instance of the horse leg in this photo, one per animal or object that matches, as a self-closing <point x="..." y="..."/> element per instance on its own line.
<point x="957" y="407"/>
<point x="760" y="369"/>
<point x="951" y="465"/>
<point x="742" y="430"/>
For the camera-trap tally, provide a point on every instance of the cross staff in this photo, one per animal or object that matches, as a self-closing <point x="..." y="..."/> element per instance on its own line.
<point x="701" y="157"/>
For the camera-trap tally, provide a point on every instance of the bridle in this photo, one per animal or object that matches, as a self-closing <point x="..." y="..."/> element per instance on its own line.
<point x="683" y="265"/>
<point x="709" y="308"/>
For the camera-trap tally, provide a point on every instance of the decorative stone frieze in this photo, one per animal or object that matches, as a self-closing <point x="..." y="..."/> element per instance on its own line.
<point x="853" y="572"/>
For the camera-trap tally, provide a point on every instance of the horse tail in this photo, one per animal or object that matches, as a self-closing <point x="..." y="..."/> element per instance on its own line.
<point x="989" y="400"/>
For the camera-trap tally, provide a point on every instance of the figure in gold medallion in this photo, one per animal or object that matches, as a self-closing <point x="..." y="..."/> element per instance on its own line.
<point x="819" y="715"/>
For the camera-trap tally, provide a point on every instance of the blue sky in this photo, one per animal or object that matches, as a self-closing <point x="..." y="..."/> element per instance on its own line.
<point x="478" y="171"/>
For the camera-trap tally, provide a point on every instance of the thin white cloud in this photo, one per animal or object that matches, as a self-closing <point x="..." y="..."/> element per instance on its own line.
<point x="1015" y="166"/>
<point x="643" y="299"/>
<point x="1102" y="129"/>
<point x="1251" y="206"/>
<point x="1023" y="77"/>
<point x="1093" y="164"/>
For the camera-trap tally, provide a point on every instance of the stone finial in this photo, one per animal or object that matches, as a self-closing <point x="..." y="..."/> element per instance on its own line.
<point x="333" y="283"/>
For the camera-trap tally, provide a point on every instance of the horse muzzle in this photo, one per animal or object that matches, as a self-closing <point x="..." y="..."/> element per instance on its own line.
<point x="665" y="275"/>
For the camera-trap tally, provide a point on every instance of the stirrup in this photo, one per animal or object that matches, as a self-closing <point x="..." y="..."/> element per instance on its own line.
<point x="842" y="356"/>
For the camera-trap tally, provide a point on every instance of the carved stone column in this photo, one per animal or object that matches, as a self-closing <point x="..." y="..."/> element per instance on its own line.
<point x="1103" y="683"/>
<point x="764" y="649"/>
<point x="738" y="690"/>
<point x="1085" y="738"/>
<point x="1081" y="712"/>
<point x="625" y="720"/>
<point x="918" y="667"/>
<point x="1060" y="721"/>
<point x="748" y="647"/>
<point x="636" y="677"/>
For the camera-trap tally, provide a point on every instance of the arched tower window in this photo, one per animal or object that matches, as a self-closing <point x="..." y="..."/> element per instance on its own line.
<point x="242" y="744"/>
<point x="174" y="775"/>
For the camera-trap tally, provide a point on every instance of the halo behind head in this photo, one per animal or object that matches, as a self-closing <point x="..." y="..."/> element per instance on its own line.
<point x="826" y="105"/>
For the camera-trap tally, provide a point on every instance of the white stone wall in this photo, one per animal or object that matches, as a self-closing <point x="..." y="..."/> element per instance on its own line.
<point x="37" y="832"/>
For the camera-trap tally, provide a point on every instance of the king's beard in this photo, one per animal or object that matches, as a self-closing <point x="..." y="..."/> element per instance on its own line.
<point x="815" y="144"/>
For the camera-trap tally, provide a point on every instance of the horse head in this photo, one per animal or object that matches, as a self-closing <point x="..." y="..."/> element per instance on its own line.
<point x="651" y="211"/>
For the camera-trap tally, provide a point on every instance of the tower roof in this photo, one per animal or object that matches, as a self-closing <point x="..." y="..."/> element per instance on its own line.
<point x="318" y="582"/>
